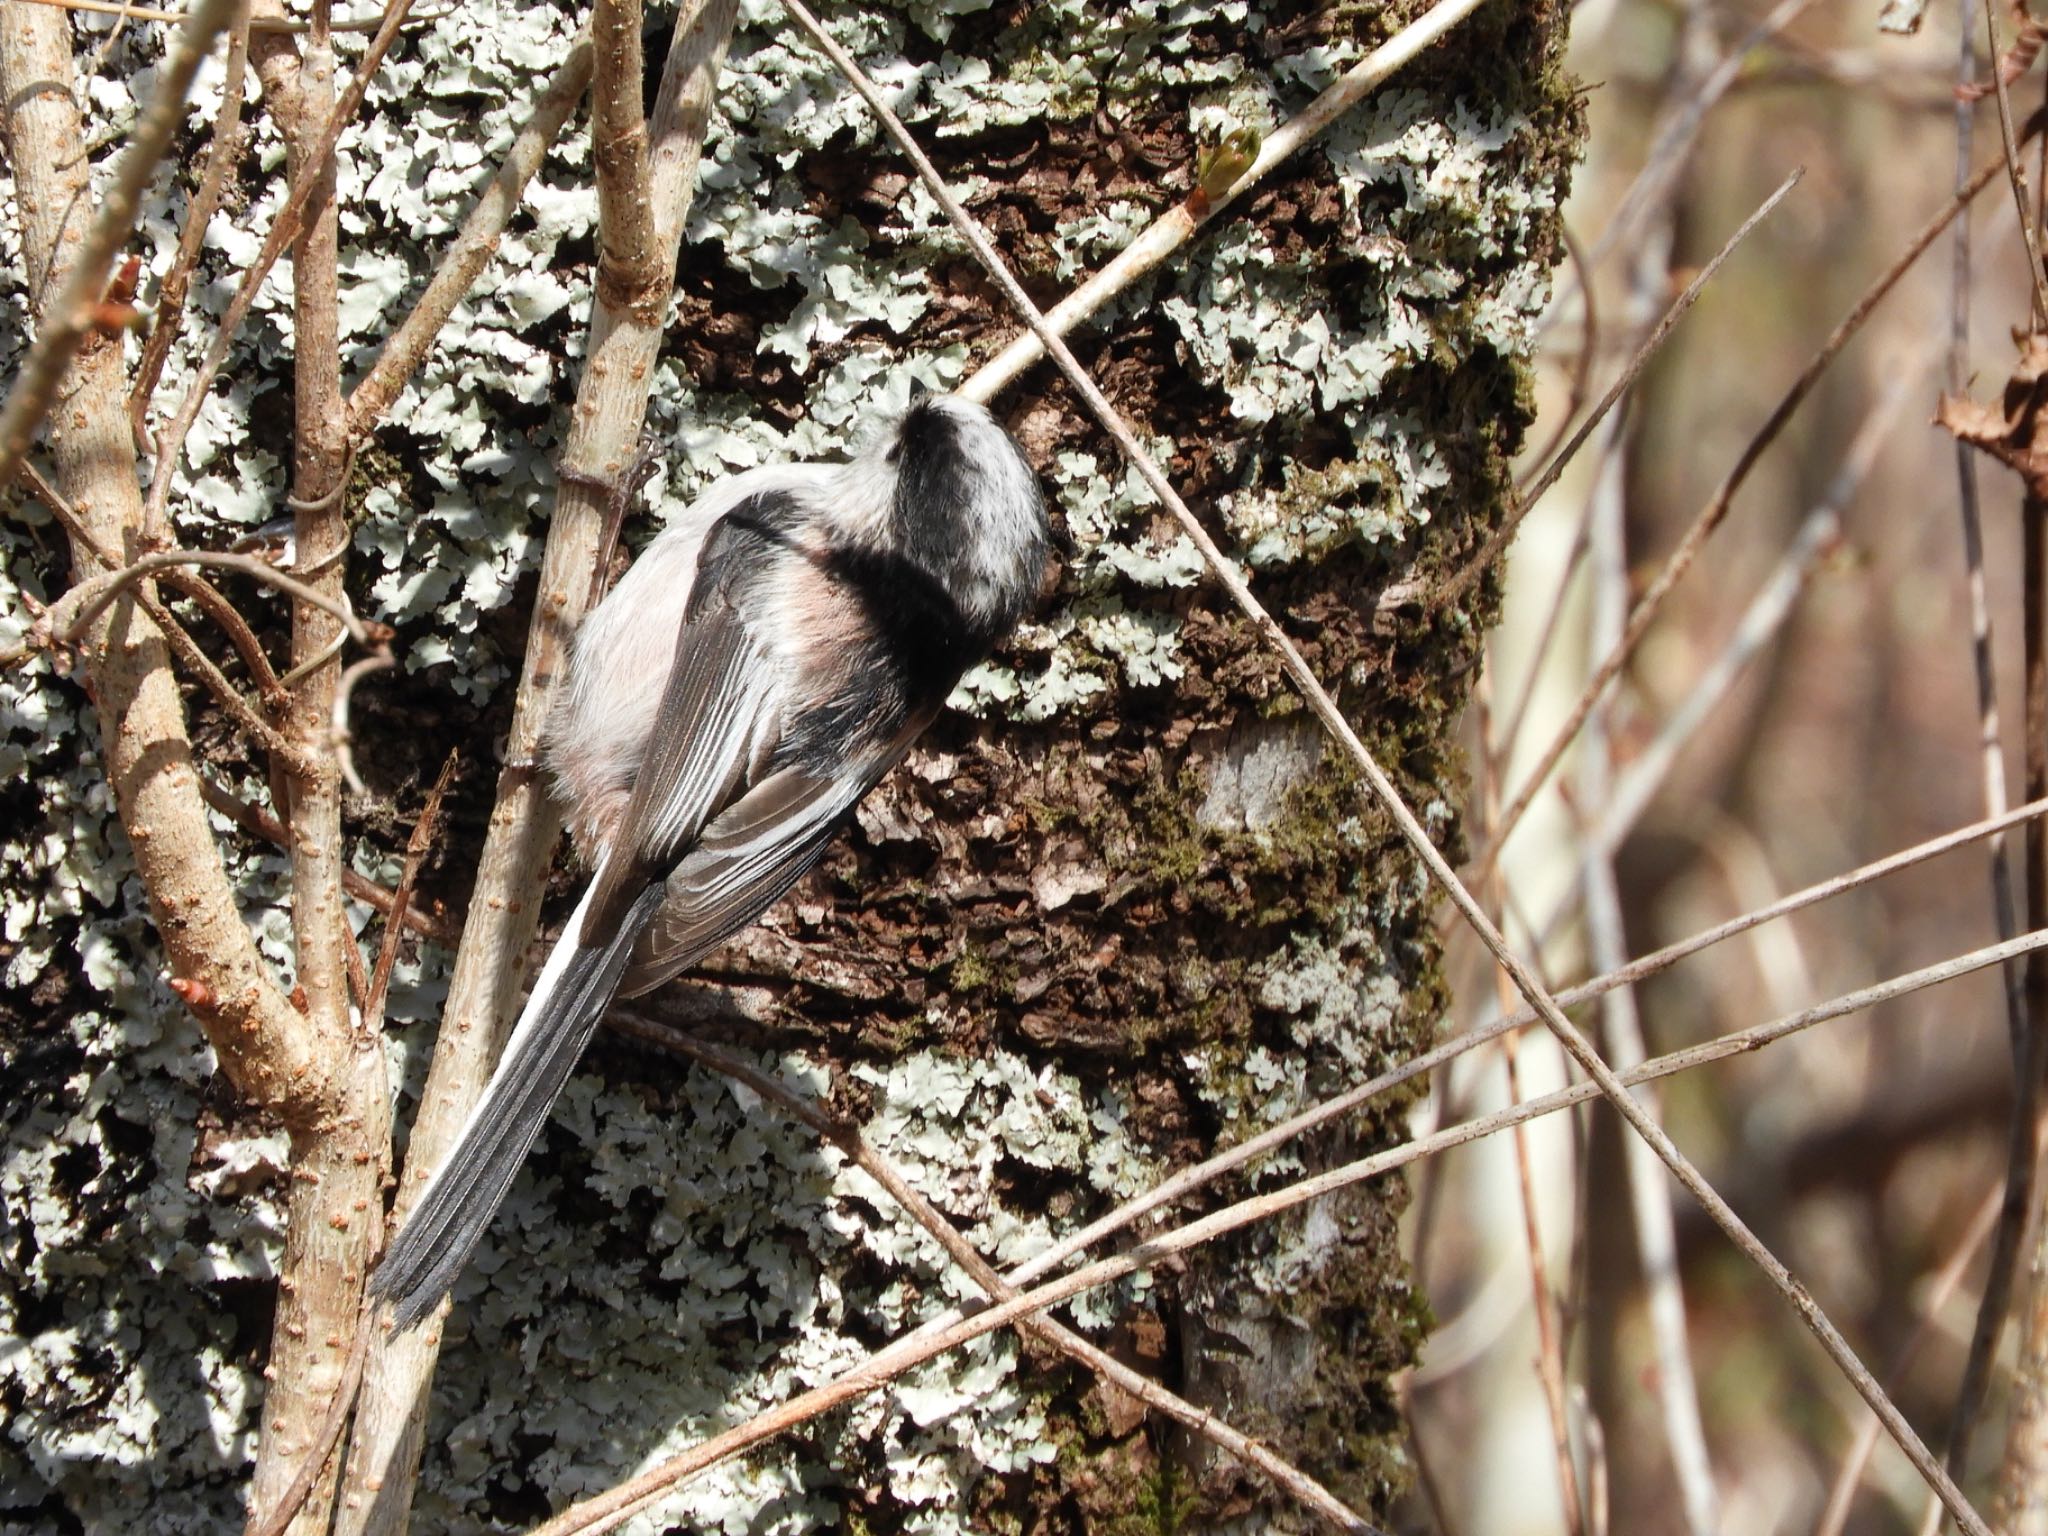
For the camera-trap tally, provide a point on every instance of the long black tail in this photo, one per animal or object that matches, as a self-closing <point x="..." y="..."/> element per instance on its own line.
<point x="561" y="1013"/>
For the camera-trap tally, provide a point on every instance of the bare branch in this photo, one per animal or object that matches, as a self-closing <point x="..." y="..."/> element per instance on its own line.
<point x="284" y="230"/>
<point x="1188" y="1180"/>
<point x="1550" y="1366"/>
<point x="221" y="155"/>
<point x="1449" y="591"/>
<point x="484" y="989"/>
<point x="1231" y="176"/>
<point x="332" y="1423"/>
<point x="862" y="1153"/>
<point x="93" y="598"/>
<point x="67" y="319"/>
<point x="1550" y="1350"/>
<point x="260" y="823"/>
<point x="244" y="714"/>
<point x="630" y="270"/>
<point x="1983" y="642"/>
<point x="608" y="1509"/>
<point x="1582" y="365"/>
<point x="1649" y="1193"/>
<point x="1679" y="129"/>
<point x="473" y="247"/>
<point x="1835" y="1514"/>
<point x="1716" y="510"/>
<point x="197" y="589"/>
<point x="338" y="1165"/>
<point x="424" y="831"/>
<point x="254" y="725"/>
<point x="2014" y="176"/>
<point x="266" y="1048"/>
<point x="339" y="734"/>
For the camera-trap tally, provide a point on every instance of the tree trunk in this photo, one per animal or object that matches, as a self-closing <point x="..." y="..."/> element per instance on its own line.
<point x="1121" y="908"/>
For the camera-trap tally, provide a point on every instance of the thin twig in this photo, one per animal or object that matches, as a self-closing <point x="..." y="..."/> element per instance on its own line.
<point x="69" y="318"/>
<point x="608" y="1509"/>
<point x="106" y="47"/>
<point x="1188" y="1180"/>
<point x="2014" y="176"/>
<point x="1622" y="806"/>
<point x="1543" y="1300"/>
<point x="260" y="823"/>
<point x="284" y="229"/>
<point x="1391" y="801"/>
<point x="1426" y="1480"/>
<point x="67" y="515"/>
<point x="301" y="1485"/>
<point x="424" y="832"/>
<point x="1649" y="1193"/>
<point x="863" y="1154"/>
<point x="1550" y="1367"/>
<point x="254" y="725"/>
<point x="246" y="715"/>
<point x="1178" y="225"/>
<point x="340" y="737"/>
<point x="1842" y="1495"/>
<point x="1680" y="128"/>
<point x="223" y="151"/>
<point x="1448" y="591"/>
<point x="471" y="250"/>
<point x="1582" y="366"/>
<point x="1502" y="747"/>
<point x="1983" y="640"/>
<point x="92" y="598"/>
<point x="189" y="584"/>
<point x="1716" y="510"/>
<point x="1630" y="794"/>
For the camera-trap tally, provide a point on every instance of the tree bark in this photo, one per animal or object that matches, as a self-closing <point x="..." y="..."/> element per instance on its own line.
<point x="1120" y="908"/>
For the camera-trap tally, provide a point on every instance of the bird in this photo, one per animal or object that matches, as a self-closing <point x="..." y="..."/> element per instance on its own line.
<point x="770" y="656"/>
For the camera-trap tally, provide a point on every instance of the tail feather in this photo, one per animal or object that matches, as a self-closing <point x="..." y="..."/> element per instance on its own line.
<point x="459" y="1202"/>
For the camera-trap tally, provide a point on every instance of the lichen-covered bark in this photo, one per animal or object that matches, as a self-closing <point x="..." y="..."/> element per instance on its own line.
<point x="1122" y="906"/>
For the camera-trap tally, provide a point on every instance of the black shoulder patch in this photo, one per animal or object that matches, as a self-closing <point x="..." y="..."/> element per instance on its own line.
<point x="920" y="630"/>
<point x="738" y="542"/>
<point x="911" y="648"/>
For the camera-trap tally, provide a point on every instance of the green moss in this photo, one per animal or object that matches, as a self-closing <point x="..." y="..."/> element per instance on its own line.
<point x="1307" y="864"/>
<point x="1161" y="1505"/>
<point x="973" y="974"/>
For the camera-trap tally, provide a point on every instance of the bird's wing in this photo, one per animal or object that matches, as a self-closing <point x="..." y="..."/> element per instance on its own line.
<point x="720" y="714"/>
<point x="754" y="852"/>
<point x="721" y="710"/>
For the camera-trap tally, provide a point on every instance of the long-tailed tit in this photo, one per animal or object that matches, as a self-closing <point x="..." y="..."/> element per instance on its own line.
<point x="772" y="654"/>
